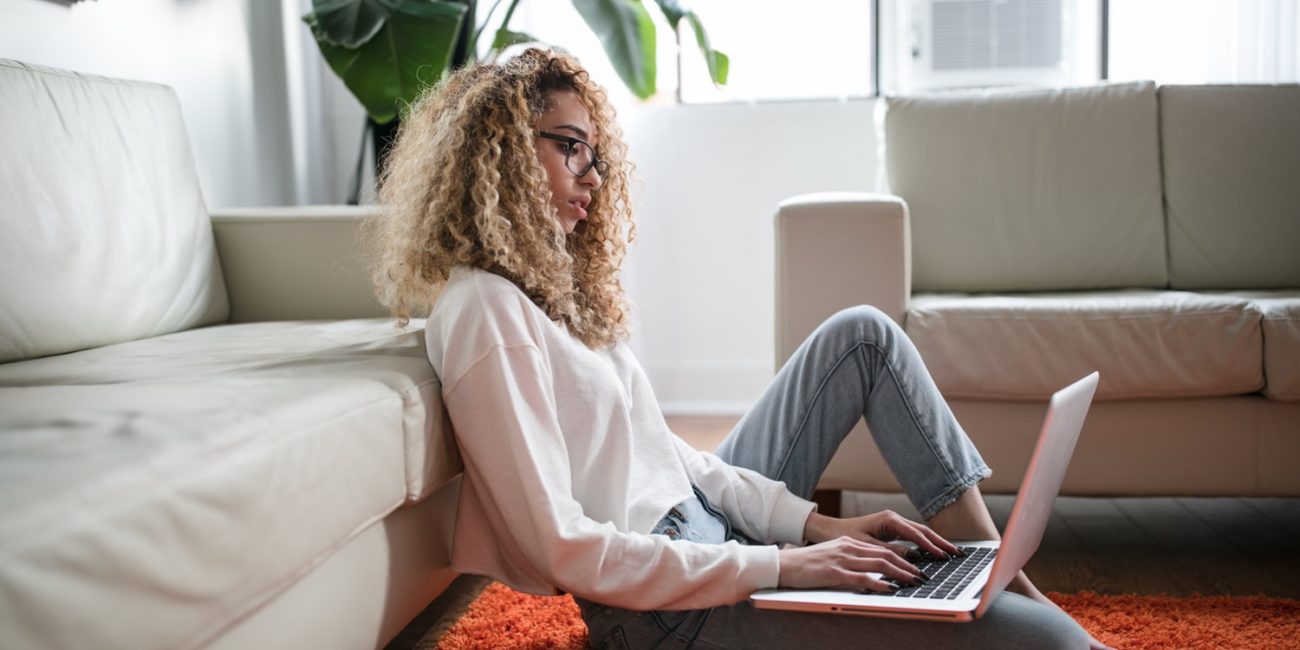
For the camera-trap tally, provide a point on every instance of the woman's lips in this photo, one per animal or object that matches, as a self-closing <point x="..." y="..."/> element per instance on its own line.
<point x="577" y="207"/>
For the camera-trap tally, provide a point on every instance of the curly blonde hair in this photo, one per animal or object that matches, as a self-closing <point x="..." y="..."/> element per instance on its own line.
<point x="463" y="187"/>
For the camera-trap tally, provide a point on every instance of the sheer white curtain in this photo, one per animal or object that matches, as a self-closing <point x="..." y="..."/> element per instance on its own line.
<point x="1263" y="33"/>
<point x="1205" y="41"/>
<point x="325" y="121"/>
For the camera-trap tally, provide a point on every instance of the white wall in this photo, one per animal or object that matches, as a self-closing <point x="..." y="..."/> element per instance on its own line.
<point x="700" y="275"/>
<point x="703" y="267"/>
<point x="223" y="57"/>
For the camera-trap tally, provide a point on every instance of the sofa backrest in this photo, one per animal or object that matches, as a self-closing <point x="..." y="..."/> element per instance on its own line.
<point x="1030" y="190"/>
<point x="1232" y="185"/>
<point x="105" y="237"/>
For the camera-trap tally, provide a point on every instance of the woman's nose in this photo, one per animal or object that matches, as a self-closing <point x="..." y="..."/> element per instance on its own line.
<point x="592" y="178"/>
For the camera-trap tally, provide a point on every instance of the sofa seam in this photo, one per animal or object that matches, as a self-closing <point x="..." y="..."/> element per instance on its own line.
<point x="83" y="76"/>
<point x="1161" y="316"/>
<point x="252" y="364"/>
<point x="188" y="462"/>
<point x="266" y="595"/>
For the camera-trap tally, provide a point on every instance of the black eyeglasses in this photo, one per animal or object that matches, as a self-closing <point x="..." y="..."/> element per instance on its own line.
<point x="579" y="157"/>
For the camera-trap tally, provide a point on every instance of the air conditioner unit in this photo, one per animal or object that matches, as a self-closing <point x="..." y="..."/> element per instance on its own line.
<point x="968" y="43"/>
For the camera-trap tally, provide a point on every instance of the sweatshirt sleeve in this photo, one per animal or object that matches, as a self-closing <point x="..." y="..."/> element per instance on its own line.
<point x="761" y="507"/>
<point x="503" y="412"/>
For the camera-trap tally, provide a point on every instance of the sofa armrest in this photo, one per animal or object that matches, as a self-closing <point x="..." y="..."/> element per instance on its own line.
<point x="837" y="250"/>
<point x="299" y="263"/>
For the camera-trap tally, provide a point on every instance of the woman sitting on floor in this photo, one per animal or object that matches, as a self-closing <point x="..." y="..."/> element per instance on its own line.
<point x="506" y="212"/>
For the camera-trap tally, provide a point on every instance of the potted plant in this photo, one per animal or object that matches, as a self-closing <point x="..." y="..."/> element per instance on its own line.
<point x="388" y="51"/>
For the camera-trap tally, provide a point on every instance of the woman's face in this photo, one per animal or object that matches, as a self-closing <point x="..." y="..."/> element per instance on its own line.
<point x="564" y="120"/>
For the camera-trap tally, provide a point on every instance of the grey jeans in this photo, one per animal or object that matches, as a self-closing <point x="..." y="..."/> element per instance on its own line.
<point x="856" y="364"/>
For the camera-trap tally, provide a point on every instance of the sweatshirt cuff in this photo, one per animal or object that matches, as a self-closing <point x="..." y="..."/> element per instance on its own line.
<point x="789" y="517"/>
<point x="762" y="570"/>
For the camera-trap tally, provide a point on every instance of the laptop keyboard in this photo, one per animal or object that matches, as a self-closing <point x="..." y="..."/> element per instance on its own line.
<point x="947" y="578"/>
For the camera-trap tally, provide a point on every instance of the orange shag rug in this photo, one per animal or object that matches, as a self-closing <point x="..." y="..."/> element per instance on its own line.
<point x="504" y="618"/>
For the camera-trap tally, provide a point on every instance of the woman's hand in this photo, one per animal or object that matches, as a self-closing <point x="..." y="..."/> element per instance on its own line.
<point x="845" y="551"/>
<point x="879" y="529"/>
<point x="844" y="562"/>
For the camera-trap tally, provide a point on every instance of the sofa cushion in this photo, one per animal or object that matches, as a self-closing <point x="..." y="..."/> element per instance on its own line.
<point x="105" y="234"/>
<point x="1147" y="344"/>
<point x="1281" y="346"/>
<point x="1231" y="155"/>
<point x="1281" y="325"/>
<point x="1030" y="190"/>
<point x="190" y="477"/>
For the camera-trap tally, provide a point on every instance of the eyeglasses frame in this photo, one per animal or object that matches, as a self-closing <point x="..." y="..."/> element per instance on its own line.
<point x="602" y="166"/>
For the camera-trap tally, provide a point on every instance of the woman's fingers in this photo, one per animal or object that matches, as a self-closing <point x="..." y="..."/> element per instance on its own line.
<point x="906" y="552"/>
<point x="866" y="582"/>
<point x="937" y="539"/>
<point x="864" y="557"/>
<point x="845" y="562"/>
<point x="923" y="536"/>
<point x="929" y="541"/>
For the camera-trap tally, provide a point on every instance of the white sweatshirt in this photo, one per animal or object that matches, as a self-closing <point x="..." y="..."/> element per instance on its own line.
<point x="569" y="465"/>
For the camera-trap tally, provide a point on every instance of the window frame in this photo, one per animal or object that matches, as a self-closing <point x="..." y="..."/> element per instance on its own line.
<point x="1103" y="65"/>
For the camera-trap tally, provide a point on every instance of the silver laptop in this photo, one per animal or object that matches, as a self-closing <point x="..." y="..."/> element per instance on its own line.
<point x="963" y="588"/>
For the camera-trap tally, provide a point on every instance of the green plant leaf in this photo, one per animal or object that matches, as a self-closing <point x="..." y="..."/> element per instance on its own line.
<point x="427" y="8"/>
<point x="349" y="23"/>
<point x="628" y="36"/>
<point x="505" y="38"/>
<point x="672" y="11"/>
<point x="719" y="63"/>
<point x="410" y="52"/>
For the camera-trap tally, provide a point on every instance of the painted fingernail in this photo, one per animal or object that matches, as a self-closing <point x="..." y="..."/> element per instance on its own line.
<point x="914" y="555"/>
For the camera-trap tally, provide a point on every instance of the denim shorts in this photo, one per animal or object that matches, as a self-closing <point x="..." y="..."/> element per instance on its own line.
<point x="696" y="520"/>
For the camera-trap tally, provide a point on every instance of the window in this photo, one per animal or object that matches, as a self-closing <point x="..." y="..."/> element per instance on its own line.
<point x="818" y="49"/>
<point x="788" y="50"/>
<point x="1204" y="41"/>
<point x="933" y="44"/>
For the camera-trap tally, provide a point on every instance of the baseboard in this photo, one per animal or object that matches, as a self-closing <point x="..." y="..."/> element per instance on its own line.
<point x="705" y="408"/>
<point x="708" y="389"/>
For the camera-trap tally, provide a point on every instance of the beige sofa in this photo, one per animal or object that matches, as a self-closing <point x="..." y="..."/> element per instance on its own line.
<point x="209" y="436"/>
<point x="1030" y="237"/>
